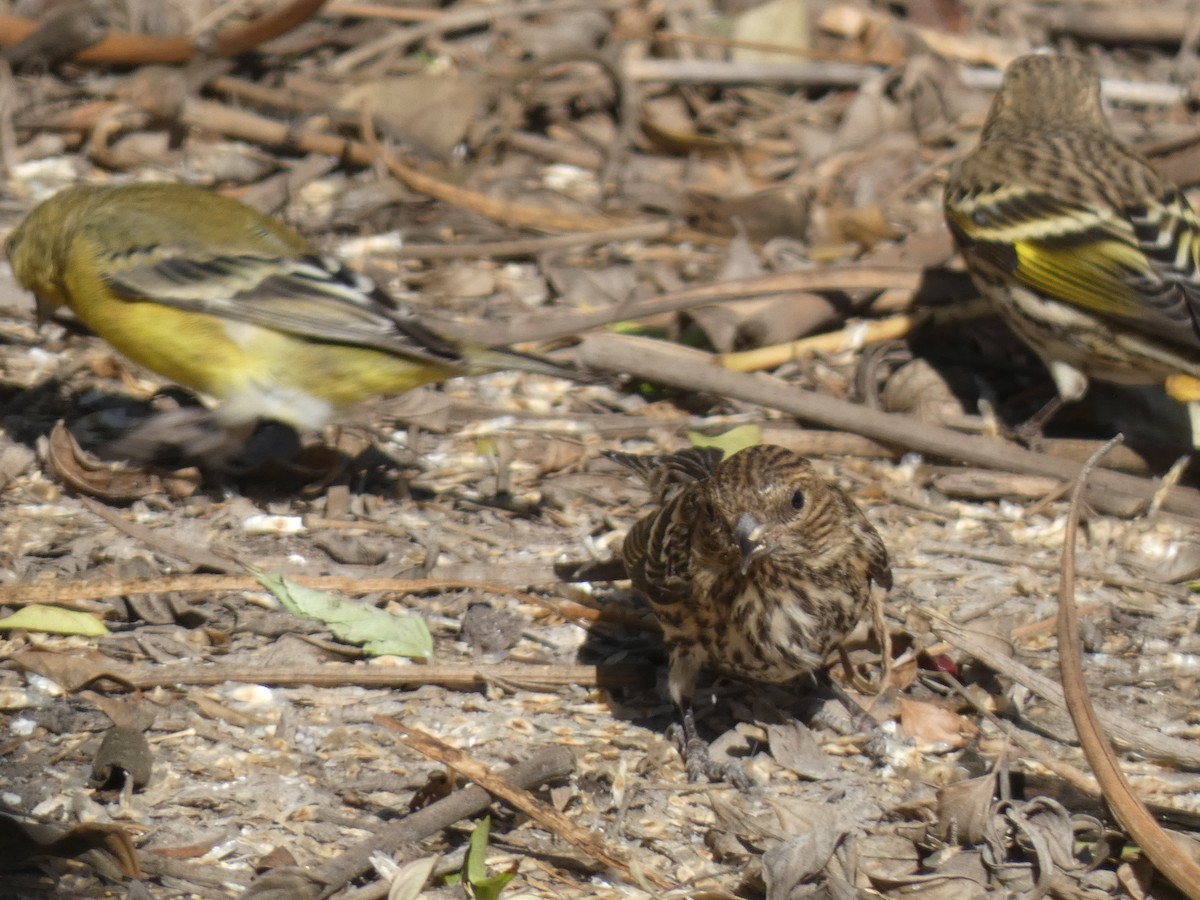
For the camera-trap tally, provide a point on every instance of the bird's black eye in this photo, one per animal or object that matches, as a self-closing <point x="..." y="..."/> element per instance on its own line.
<point x="798" y="500"/>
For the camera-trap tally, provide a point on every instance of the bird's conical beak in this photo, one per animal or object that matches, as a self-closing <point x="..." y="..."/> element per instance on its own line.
<point x="749" y="534"/>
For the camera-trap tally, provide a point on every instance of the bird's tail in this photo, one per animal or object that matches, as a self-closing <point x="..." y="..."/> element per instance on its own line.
<point x="665" y="475"/>
<point x="500" y="359"/>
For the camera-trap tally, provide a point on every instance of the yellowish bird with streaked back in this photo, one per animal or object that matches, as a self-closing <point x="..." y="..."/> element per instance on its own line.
<point x="220" y="298"/>
<point x="1090" y="255"/>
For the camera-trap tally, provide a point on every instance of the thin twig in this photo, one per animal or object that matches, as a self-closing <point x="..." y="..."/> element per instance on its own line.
<point x="1171" y="860"/>
<point x="545" y="814"/>
<point x="74" y="673"/>
<point x="854" y="336"/>
<point x="397" y="40"/>
<point x="534" y="246"/>
<point x="829" y="278"/>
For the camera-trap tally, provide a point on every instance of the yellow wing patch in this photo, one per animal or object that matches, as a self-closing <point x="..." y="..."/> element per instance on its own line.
<point x="1093" y="276"/>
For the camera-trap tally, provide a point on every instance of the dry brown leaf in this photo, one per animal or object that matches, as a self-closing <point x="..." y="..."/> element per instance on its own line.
<point x="929" y="724"/>
<point x="113" y="482"/>
<point x="887" y="857"/>
<point x="865" y="226"/>
<point x="23" y="840"/>
<point x="432" y="111"/>
<point x="964" y="809"/>
<point x="71" y="672"/>
<point x="780" y="22"/>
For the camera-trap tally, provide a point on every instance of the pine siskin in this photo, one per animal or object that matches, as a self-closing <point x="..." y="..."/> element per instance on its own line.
<point x="755" y="566"/>
<point x="225" y="300"/>
<point x="1086" y="251"/>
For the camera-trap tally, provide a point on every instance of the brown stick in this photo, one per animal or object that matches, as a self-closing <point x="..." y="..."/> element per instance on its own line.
<point x="1115" y="24"/>
<point x="73" y="591"/>
<point x="545" y="814"/>
<point x="546" y="764"/>
<point x="1172" y="861"/>
<point x="396" y="40"/>
<point x="693" y="370"/>
<point x="75" y="672"/>
<point x="522" y="215"/>
<point x="830" y="278"/>
<point x="240" y="124"/>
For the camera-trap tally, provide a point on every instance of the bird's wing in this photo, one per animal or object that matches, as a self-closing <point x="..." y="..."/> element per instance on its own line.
<point x="308" y="296"/>
<point x="657" y="552"/>
<point x="879" y="567"/>
<point x="1138" y="265"/>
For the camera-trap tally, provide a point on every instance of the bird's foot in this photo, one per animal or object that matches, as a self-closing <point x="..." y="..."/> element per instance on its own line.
<point x="1031" y="432"/>
<point x="700" y="766"/>
<point x="698" y="761"/>
<point x="1029" y="435"/>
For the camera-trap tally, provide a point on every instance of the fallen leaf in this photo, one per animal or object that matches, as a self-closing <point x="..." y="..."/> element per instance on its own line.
<point x="729" y="442"/>
<point x="54" y="620"/>
<point x="379" y="632"/>
<point x="934" y="725"/>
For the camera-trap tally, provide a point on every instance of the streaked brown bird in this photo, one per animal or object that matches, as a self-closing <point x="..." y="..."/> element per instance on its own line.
<point x="755" y="566"/>
<point x="1089" y="254"/>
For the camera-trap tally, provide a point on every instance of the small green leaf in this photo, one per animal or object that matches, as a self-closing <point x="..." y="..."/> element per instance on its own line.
<point x="475" y="877"/>
<point x="490" y="888"/>
<point x="473" y="866"/>
<point x="379" y="632"/>
<point x="54" y="620"/>
<point x="731" y="441"/>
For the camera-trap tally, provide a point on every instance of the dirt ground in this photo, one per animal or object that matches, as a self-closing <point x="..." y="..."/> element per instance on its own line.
<point x="662" y="188"/>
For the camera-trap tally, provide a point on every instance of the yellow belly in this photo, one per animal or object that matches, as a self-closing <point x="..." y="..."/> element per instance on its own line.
<point x="255" y="372"/>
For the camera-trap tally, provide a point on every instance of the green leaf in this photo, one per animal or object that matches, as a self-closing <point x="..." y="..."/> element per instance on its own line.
<point x="474" y="868"/>
<point x="731" y="441"/>
<point x="379" y="632"/>
<point x="54" y="620"/>
<point x="490" y="888"/>
<point x="475" y="876"/>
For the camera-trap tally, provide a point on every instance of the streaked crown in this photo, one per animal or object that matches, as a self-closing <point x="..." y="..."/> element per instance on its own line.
<point x="1043" y="92"/>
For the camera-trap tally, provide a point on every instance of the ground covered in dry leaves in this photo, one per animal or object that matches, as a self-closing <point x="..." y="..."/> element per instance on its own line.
<point x="563" y="170"/>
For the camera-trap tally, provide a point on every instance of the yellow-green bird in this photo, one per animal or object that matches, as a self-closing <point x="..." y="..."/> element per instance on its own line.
<point x="220" y="298"/>
<point x="1087" y="252"/>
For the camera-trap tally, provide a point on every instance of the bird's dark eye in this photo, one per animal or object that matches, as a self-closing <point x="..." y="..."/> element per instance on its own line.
<point x="798" y="500"/>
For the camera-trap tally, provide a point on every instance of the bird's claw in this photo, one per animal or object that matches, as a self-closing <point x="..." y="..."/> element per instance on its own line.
<point x="701" y="767"/>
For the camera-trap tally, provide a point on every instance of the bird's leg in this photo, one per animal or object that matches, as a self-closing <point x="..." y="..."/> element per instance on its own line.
<point x="693" y="747"/>
<point x="1030" y="431"/>
<point x="683" y="669"/>
<point x="697" y="761"/>
<point x="860" y="719"/>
